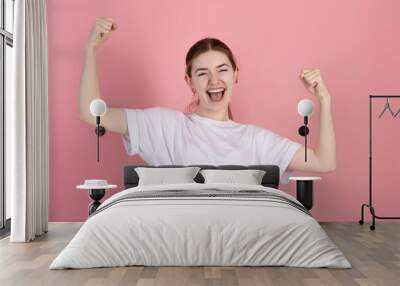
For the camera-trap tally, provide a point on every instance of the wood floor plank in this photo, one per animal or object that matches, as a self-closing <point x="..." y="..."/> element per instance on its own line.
<point x="374" y="255"/>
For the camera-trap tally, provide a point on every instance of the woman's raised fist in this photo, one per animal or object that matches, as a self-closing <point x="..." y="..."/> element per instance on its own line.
<point x="101" y="31"/>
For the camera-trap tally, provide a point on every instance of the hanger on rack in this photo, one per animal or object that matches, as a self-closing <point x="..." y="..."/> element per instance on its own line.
<point x="387" y="106"/>
<point x="397" y="113"/>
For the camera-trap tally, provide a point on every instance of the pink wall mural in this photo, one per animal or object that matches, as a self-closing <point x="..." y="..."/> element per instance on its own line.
<point x="355" y="44"/>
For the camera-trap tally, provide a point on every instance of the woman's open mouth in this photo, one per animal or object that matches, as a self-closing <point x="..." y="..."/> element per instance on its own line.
<point x="216" y="94"/>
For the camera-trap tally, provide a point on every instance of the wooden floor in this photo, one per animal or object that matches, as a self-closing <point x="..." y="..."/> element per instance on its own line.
<point x="374" y="255"/>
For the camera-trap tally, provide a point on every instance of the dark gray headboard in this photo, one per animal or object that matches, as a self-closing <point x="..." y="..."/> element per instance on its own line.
<point x="270" y="179"/>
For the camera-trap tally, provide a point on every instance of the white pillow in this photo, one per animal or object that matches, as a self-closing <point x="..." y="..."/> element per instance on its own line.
<point x="162" y="176"/>
<point x="249" y="177"/>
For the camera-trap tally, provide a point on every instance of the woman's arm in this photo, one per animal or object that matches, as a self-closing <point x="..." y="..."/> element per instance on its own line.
<point x="326" y="148"/>
<point x="115" y="118"/>
<point x="323" y="157"/>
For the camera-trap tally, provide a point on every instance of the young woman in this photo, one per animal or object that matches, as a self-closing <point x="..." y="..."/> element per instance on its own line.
<point x="207" y="134"/>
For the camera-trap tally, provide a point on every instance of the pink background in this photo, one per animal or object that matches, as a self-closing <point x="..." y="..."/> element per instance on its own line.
<point x="355" y="44"/>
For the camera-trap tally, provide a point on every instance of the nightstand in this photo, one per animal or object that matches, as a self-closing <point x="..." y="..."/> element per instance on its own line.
<point x="304" y="190"/>
<point x="97" y="190"/>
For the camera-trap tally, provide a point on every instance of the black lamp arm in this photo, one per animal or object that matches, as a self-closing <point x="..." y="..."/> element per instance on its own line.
<point x="100" y="131"/>
<point x="303" y="131"/>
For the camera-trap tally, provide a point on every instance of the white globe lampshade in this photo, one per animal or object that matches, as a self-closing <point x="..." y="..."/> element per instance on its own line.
<point x="305" y="107"/>
<point x="98" y="107"/>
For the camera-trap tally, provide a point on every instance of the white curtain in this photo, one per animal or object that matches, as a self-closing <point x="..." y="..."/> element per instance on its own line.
<point x="27" y="124"/>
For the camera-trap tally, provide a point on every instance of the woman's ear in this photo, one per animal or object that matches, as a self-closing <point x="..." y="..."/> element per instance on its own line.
<point x="236" y="75"/>
<point x="188" y="80"/>
<point x="189" y="83"/>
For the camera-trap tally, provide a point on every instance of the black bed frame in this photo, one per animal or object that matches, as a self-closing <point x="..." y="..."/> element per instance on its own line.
<point x="270" y="179"/>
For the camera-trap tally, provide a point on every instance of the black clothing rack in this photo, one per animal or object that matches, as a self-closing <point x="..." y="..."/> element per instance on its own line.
<point x="369" y="205"/>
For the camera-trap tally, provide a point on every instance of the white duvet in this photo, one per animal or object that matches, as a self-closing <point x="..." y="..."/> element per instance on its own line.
<point x="200" y="231"/>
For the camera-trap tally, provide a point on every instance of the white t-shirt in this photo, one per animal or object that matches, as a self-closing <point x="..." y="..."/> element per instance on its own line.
<point x="164" y="136"/>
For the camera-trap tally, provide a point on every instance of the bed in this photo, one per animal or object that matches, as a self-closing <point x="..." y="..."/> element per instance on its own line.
<point x="198" y="224"/>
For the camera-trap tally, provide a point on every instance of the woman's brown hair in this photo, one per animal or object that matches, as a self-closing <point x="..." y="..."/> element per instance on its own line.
<point x="200" y="47"/>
